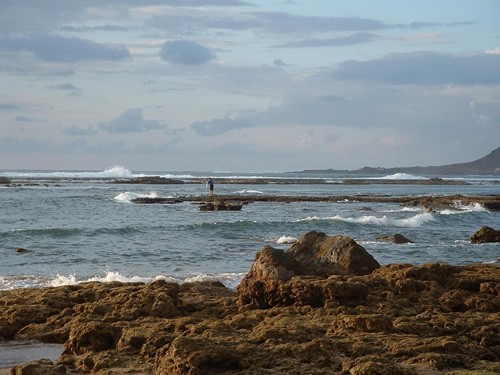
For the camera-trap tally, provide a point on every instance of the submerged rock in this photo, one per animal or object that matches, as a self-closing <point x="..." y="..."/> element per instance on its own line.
<point x="396" y="238"/>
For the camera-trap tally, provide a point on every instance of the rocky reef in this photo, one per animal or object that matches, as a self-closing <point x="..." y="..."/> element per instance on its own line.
<point x="430" y="203"/>
<point x="324" y="306"/>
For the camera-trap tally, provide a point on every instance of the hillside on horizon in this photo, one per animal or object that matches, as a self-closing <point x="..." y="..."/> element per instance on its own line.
<point x="487" y="165"/>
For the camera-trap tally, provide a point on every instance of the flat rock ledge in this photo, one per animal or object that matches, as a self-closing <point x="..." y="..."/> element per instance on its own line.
<point x="324" y="306"/>
<point x="430" y="203"/>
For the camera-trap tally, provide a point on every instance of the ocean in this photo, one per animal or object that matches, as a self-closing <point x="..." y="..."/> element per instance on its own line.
<point x="81" y="226"/>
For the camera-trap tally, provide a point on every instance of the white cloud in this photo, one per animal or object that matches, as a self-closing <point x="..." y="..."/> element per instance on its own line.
<point x="494" y="51"/>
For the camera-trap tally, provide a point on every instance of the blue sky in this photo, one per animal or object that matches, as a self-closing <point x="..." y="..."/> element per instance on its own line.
<point x="233" y="85"/>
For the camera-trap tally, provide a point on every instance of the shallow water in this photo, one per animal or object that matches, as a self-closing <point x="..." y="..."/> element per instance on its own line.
<point x="86" y="229"/>
<point x="13" y="353"/>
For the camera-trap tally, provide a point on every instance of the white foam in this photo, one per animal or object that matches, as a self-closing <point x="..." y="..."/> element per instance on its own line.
<point x="249" y="191"/>
<point x="128" y="196"/>
<point x="63" y="280"/>
<point x="230" y="280"/>
<point x="461" y="208"/>
<point x="286" y="239"/>
<point x="112" y="172"/>
<point x="411" y="222"/>
<point x="402" y="176"/>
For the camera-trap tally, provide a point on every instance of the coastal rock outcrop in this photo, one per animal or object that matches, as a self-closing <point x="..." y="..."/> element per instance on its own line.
<point x="278" y="277"/>
<point x="350" y="317"/>
<point x="486" y="234"/>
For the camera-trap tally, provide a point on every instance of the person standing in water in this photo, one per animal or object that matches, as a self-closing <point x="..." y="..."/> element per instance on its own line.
<point x="210" y="184"/>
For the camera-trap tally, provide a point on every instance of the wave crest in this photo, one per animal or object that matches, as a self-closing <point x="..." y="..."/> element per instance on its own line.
<point x="411" y="222"/>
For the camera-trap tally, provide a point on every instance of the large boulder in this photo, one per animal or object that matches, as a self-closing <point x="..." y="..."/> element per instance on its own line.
<point x="485" y="234"/>
<point x="324" y="255"/>
<point x="301" y="274"/>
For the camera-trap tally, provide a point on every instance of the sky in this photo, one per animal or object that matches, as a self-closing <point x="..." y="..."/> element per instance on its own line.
<point x="247" y="85"/>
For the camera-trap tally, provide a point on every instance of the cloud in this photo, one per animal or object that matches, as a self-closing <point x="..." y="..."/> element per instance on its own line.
<point x="185" y="52"/>
<point x="76" y="131"/>
<point x="426" y="68"/>
<point x="279" y="63"/>
<point x="66" y="87"/>
<point x="270" y="22"/>
<point x="218" y="126"/>
<point x="131" y="121"/>
<point x="356" y="38"/>
<point x="72" y="89"/>
<point x="57" y="48"/>
<point x="27" y="119"/>
<point x="494" y="51"/>
<point x="11" y="144"/>
<point x="8" y="106"/>
<point x="280" y="22"/>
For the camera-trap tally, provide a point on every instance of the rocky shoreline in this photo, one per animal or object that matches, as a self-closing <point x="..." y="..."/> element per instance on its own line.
<point x="324" y="306"/>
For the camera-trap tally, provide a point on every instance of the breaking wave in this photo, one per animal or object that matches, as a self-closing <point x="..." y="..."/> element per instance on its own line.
<point x="411" y="222"/>
<point x="128" y="197"/>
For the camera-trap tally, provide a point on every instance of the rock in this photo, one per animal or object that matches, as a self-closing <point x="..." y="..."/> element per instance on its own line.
<point x="150" y="200"/>
<point x="221" y="205"/>
<point x="486" y="234"/>
<point x="280" y="278"/>
<point x="396" y="238"/>
<point x="39" y="367"/>
<point x="327" y="255"/>
<point x="22" y="250"/>
<point x="398" y="319"/>
<point x="492" y="205"/>
<point x="151" y="180"/>
<point x="4" y="180"/>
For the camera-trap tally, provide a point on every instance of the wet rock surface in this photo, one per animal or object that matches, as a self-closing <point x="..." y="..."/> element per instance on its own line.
<point x="486" y="234"/>
<point x="429" y="203"/>
<point x="350" y="317"/>
<point x="395" y="238"/>
<point x="222" y="205"/>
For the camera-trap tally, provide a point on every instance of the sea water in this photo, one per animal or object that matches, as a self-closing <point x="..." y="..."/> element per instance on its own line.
<point x="82" y="226"/>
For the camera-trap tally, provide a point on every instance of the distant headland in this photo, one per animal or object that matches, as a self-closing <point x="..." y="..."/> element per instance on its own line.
<point x="487" y="165"/>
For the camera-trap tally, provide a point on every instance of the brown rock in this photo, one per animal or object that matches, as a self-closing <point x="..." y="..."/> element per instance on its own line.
<point x="399" y="319"/>
<point x="221" y="205"/>
<point x="39" y="367"/>
<point x="486" y="234"/>
<point x="92" y="337"/>
<point x="327" y="255"/>
<point x="396" y="238"/>
<point x="22" y="250"/>
<point x="279" y="278"/>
